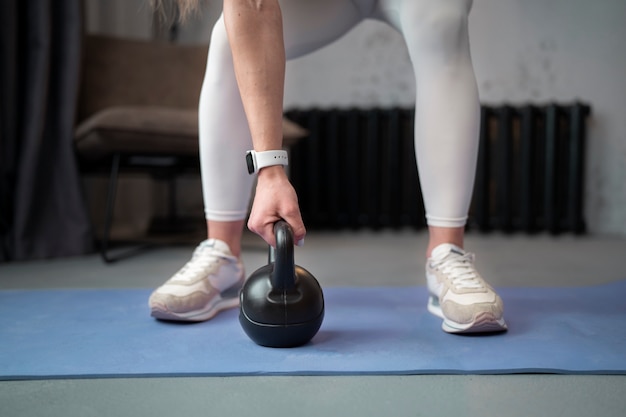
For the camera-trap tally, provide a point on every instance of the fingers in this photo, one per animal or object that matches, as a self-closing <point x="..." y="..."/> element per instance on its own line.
<point x="262" y="224"/>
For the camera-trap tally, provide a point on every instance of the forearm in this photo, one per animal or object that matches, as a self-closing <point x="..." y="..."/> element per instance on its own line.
<point x="255" y="34"/>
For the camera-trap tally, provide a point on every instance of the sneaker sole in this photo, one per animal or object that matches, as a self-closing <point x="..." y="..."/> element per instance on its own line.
<point x="482" y="323"/>
<point x="162" y="313"/>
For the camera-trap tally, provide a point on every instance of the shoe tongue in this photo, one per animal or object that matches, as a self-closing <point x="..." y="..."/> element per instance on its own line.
<point x="216" y="245"/>
<point x="444" y="250"/>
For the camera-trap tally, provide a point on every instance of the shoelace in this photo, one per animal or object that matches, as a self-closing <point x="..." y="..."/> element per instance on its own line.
<point x="198" y="263"/>
<point x="461" y="269"/>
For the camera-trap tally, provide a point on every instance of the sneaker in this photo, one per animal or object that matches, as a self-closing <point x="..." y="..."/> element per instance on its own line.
<point x="459" y="295"/>
<point x="209" y="283"/>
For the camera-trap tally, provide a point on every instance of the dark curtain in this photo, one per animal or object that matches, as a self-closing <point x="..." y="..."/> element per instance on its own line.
<point x="42" y="210"/>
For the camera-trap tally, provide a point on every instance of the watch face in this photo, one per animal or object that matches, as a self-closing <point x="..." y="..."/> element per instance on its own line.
<point x="250" y="162"/>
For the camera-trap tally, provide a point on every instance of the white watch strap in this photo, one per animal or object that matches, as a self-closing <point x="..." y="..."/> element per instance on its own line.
<point x="258" y="160"/>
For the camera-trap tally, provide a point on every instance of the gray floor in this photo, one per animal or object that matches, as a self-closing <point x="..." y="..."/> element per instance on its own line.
<point x="336" y="259"/>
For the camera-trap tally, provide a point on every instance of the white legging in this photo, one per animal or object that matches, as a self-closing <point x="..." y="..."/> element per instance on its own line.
<point x="447" y="111"/>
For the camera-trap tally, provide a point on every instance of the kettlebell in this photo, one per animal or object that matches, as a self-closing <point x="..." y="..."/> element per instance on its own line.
<point x="281" y="304"/>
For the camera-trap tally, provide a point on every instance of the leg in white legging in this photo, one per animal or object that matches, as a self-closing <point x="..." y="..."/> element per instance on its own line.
<point x="446" y="143"/>
<point x="224" y="133"/>
<point x="447" y="109"/>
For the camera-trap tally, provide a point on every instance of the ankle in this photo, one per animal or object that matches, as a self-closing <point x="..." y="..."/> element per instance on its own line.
<point x="233" y="244"/>
<point x="228" y="232"/>
<point x="441" y="235"/>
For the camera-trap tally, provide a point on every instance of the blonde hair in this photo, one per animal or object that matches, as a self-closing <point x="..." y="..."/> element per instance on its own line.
<point x="185" y="7"/>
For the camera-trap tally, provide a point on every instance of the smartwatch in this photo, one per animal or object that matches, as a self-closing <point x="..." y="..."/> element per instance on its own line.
<point x="258" y="160"/>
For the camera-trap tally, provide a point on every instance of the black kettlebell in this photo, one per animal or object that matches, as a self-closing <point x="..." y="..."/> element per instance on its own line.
<point x="281" y="304"/>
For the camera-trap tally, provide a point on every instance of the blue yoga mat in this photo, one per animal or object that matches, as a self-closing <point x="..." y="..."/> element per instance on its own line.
<point x="109" y="333"/>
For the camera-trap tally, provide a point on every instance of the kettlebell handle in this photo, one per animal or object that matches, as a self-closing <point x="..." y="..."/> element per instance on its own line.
<point x="283" y="276"/>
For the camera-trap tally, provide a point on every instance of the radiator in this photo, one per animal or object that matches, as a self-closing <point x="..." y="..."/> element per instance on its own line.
<point x="357" y="169"/>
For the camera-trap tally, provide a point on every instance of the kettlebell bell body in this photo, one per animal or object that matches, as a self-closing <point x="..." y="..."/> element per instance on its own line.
<point x="281" y="304"/>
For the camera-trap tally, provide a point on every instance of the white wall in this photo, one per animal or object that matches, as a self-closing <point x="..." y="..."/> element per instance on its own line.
<point x="523" y="51"/>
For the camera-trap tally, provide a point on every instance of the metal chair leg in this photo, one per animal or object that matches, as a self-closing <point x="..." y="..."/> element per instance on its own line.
<point x="110" y="207"/>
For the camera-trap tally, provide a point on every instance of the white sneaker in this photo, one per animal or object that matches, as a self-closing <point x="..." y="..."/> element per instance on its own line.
<point x="459" y="295"/>
<point x="209" y="283"/>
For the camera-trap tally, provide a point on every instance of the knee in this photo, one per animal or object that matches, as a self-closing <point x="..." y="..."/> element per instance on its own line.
<point x="440" y="26"/>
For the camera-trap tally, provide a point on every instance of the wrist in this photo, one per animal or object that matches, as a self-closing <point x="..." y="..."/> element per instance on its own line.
<point x="272" y="172"/>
